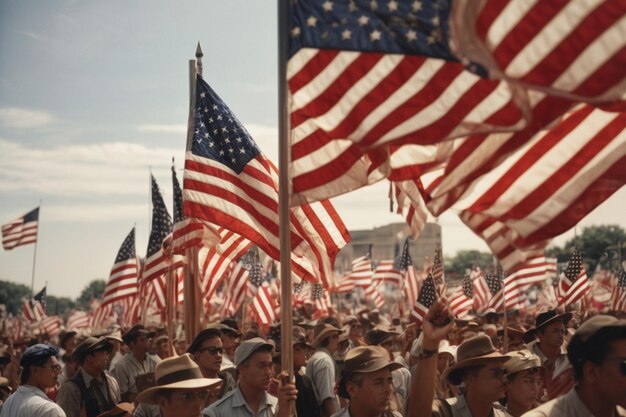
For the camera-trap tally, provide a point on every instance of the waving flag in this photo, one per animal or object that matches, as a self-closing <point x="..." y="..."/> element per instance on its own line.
<point x="33" y="311"/>
<point x="21" y="231"/>
<point x="461" y="300"/>
<point x="361" y="273"/>
<point x="425" y="299"/>
<point x="576" y="274"/>
<point x="386" y="272"/>
<point x="619" y="293"/>
<point x="230" y="183"/>
<point x="496" y="290"/>
<point x="156" y="263"/>
<point x="122" y="281"/>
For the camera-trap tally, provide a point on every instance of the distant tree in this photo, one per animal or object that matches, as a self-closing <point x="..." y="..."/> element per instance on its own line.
<point x="11" y="295"/>
<point x="463" y="260"/>
<point x="95" y="289"/>
<point x="597" y="244"/>
<point x="59" y="305"/>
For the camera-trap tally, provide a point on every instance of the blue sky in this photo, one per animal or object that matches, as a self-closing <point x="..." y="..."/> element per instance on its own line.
<point x="94" y="95"/>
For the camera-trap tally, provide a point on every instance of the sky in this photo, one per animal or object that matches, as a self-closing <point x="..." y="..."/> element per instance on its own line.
<point x="94" y="96"/>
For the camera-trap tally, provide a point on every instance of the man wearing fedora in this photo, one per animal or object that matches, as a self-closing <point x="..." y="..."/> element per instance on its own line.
<point x="180" y="390"/>
<point x="136" y="369"/>
<point x="322" y="369"/>
<point x="479" y="367"/>
<point x="253" y="359"/>
<point x="91" y="391"/>
<point x="546" y="341"/>
<point x="367" y="383"/>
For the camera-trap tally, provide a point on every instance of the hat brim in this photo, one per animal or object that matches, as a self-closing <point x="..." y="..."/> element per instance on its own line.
<point x="530" y="335"/>
<point x="149" y="396"/>
<point x="453" y="373"/>
<point x="323" y="335"/>
<point x="377" y="366"/>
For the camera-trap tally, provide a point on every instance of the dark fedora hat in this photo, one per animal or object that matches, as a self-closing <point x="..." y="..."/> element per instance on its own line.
<point x="544" y="319"/>
<point x="92" y="345"/>
<point x="478" y="350"/>
<point x="134" y="332"/>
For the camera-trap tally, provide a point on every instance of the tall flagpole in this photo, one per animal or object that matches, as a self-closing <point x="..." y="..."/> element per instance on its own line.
<point x="286" y="318"/>
<point x="32" y="279"/>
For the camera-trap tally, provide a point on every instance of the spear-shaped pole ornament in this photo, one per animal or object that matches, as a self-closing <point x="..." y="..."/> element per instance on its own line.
<point x="199" y="55"/>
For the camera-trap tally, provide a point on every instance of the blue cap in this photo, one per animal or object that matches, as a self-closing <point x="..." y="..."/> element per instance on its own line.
<point x="37" y="352"/>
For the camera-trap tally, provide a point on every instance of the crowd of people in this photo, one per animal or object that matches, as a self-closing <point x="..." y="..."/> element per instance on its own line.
<point x="554" y="364"/>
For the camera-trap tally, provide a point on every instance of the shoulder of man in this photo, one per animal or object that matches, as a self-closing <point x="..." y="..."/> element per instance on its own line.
<point x="224" y="399"/>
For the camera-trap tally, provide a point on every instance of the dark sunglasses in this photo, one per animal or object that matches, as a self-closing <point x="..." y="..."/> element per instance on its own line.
<point x="213" y="350"/>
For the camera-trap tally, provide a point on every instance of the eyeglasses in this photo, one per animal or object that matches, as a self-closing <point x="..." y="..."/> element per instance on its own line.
<point x="55" y="368"/>
<point x="190" y="396"/>
<point x="621" y="363"/>
<point x="213" y="350"/>
<point x="498" y="372"/>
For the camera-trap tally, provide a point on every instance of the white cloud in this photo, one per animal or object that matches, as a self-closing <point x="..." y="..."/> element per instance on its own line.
<point x="93" y="213"/>
<point x="162" y="128"/>
<point x="18" y="118"/>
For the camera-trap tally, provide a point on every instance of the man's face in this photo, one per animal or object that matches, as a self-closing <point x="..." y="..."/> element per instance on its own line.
<point x="47" y="375"/>
<point x="609" y="381"/>
<point x="374" y="392"/>
<point x="299" y="356"/>
<point x="489" y="382"/>
<point x="209" y="356"/>
<point x="100" y="359"/>
<point x="183" y="403"/>
<point x="525" y="387"/>
<point x="257" y="371"/>
<point x="355" y="330"/>
<point x="70" y="344"/>
<point x="552" y="335"/>
<point x="333" y="342"/>
<point x="230" y="344"/>
<point x="142" y="344"/>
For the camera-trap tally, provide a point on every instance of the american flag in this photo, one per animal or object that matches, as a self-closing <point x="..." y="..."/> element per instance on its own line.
<point x="344" y="285"/>
<point x="437" y="267"/>
<point x="77" y="320"/>
<point x="619" y="293"/>
<point x="425" y="299"/>
<point x="482" y="295"/>
<point x="410" y="290"/>
<point x="576" y="274"/>
<point x="21" y="231"/>
<point x="51" y="325"/>
<point x="264" y="306"/>
<point x="361" y="273"/>
<point x="122" y="281"/>
<point x="462" y="300"/>
<point x="235" y="290"/>
<point x="534" y="271"/>
<point x="386" y="272"/>
<point x="33" y="311"/>
<point x="229" y="182"/>
<point x="369" y="74"/>
<point x="403" y="260"/>
<point x="372" y="294"/>
<point x="156" y="263"/>
<point x="494" y="282"/>
<point x="321" y="300"/>
<point x="41" y="296"/>
<point x="215" y="268"/>
<point x="411" y="204"/>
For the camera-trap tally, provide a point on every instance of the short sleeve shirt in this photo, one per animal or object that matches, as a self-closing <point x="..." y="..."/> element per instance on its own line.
<point x="321" y="369"/>
<point x="128" y="368"/>
<point x="569" y="405"/>
<point x="234" y="404"/>
<point x="28" y="401"/>
<point x="458" y="406"/>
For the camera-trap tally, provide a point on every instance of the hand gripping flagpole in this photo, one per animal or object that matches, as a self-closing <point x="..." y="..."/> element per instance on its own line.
<point x="286" y="319"/>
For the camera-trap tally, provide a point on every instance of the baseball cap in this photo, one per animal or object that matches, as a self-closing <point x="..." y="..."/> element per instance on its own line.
<point x="248" y="347"/>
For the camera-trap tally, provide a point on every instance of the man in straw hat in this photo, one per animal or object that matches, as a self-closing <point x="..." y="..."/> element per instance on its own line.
<point x="40" y="370"/>
<point x="546" y="341"/>
<point x="597" y="353"/>
<point x="253" y="359"/>
<point x="524" y="381"/>
<point x="180" y="389"/>
<point x="367" y="382"/>
<point x="91" y="391"/>
<point x="322" y="370"/>
<point x="479" y="367"/>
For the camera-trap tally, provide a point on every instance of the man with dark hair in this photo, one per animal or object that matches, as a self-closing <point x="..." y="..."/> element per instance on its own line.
<point x="207" y="351"/>
<point x="253" y="359"/>
<point x="40" y="370"/>
<point x="92" y="390"/>
<point x="322" y="370"/>
<point x="549" y="332"/>
<point x="597" y="353"/>
<point x="367" y="382"/>
<point x="135" y="371"/>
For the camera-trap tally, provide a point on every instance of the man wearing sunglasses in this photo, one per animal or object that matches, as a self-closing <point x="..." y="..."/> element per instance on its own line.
<point x="40" y="370"/>
<point x="207" y="350"/>
<point x="597" y="353"/>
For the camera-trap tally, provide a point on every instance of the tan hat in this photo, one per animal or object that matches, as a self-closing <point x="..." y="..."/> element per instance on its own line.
<point x="115" y="335"/>
<point x="324" y="332"/>
<point x="475" y="351"/>
<point x="120" y="410"/>
<point x="379" y="335"/>
<point x="178" y="372"/>
<point x="522" y="360"/>
<point x="365" y="360"/>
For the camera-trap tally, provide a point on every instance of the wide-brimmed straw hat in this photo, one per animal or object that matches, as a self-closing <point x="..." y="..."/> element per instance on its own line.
<point x="478" y="350"/>
<point x="325" y="331"/>
<point x="544" y="319"/>
<point x="176" y="373"/>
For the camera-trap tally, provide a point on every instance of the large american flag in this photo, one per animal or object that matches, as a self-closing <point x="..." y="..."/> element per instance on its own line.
<point x="229" y="182"/>
<point x="157" y="263"/>
<point x="122" y="283"/>
<point x="21" y="231"/>
<point x="577" y="276"/>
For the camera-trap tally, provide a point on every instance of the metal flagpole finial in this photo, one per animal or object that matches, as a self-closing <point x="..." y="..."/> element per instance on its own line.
<point x="199" y="55"/>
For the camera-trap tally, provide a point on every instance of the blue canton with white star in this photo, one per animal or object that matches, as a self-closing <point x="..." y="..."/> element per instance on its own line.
<point x="127" y="250"/>
<point x="218" y="134"/>
<point x="410" y="27"/>
<point x="403" y="261"/>
<point x="161" y="220"/>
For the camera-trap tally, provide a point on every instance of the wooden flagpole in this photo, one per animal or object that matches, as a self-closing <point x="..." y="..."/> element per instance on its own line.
<point x="32" y="279"/>
<point x="286" y="318"/>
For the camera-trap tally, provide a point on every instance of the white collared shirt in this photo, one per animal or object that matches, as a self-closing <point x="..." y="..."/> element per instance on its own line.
<point x="29" y="401"/>
<point x="234" y="404"/>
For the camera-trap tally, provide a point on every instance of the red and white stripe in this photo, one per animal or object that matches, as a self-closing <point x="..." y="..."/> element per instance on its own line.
<point x="411" y="205"/>
<point x="344" y="285"/>
<point x="410" y="290"/>
<point x="77" y="320"/>
<point x="33" y="311"/>
<point x="214" y="269"/>
<point x="386" y="273"/>
<point x="51" y="325"/>
<point x="361" y="273"/>
<point x="482" y="295"/>
<point x="578" y="289"/>
<point x="20" y="231"/>
<point x="235" y="292"/>
<point x="189" y="233"/>
<point x="264" y="306"/>
<point x="374" y="296"/>
<point x="122" y="281"/>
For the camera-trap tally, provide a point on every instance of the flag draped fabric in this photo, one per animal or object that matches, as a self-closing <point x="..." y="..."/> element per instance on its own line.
<point x="461" y="301"/>
<point x="229" y="182"/>
<point x="264" y="306"/>
<point x="577" y="276"/>
<point x="21" y="231"/>
<point x="425" y="299"/>
<point x="51" y="325"/>
<point x="122" y="283"/>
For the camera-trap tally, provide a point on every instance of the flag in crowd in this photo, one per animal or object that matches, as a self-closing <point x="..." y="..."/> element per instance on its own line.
<point x="361" y="274"/>
<point x="425" y="299"/>
<point x="33" y="311"/>
<point x="229" y="181"/>
<point x="122" y="281"/>
<point x="462" y="300"/>
<point x="156" y="263"/>
<point x="41" y="296"/>
<point x="577" y="276"/>
<point x="21" y="231"/>
<point x="386" y="272"/>
<point x="619" y="295"/>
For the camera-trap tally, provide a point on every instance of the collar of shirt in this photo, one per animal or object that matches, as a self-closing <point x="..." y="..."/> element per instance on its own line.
<point x="88" y="378"/>
<point x="534" y="347"/>
<point x="239" y="401"/>
<point x="29" y="389"/>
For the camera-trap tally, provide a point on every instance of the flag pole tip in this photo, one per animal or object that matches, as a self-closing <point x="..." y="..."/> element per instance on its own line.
<point x="199" y="53"/>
